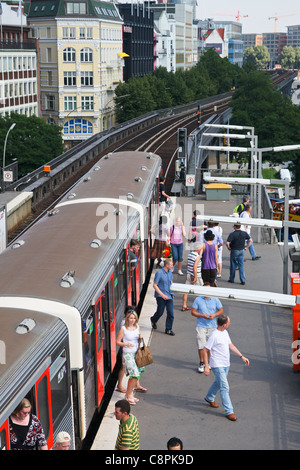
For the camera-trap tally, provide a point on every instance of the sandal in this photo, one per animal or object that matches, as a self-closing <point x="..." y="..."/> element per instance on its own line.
<point x="141" y="389"/>
<point x="121" y="390"/>
<point x="130" y="401"/>
<point x="185" y="308"/>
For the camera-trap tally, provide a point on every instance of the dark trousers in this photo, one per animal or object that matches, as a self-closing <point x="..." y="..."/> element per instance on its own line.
<point x="209" y="275"/>
<point x="161" y="305"/>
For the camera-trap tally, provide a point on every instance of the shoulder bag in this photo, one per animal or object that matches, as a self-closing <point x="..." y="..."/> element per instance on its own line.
<point x="143" y="356"/>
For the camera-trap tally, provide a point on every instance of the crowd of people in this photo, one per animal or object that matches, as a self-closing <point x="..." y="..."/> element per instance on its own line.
<point x="204" y="267"/>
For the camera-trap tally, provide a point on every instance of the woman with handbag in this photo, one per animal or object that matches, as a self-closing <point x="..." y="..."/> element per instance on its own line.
<point x="128" y="338"/>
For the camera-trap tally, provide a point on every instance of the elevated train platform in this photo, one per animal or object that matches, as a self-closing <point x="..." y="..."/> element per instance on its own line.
<point x="265" y="395"/>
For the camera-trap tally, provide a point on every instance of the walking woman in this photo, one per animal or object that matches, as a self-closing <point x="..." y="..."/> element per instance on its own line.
<point x="128" y="338"/>
<point x="209" y="259"/>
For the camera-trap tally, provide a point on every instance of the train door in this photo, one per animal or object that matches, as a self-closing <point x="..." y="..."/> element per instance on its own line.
<point x="4" y="437"/>
<point x="40" y="398"/>
<point x="99" y="353"/>
<point x="43" y="405"/>
<point x="89" y="355"/>
<point x="108" y="327"/>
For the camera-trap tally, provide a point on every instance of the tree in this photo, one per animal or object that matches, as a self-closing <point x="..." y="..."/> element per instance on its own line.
<point x="287" y="57"/>
<point x="256" y="103"/>
<point x="258" y="55"/>
<point x="33" y="142"/>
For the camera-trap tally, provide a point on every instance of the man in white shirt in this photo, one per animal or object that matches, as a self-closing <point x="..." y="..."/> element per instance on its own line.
<point x="219" y="345"/>
<point x="246" y="214"/>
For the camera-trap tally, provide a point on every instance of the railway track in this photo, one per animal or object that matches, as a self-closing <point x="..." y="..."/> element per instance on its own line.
<point x="158" y="138"/>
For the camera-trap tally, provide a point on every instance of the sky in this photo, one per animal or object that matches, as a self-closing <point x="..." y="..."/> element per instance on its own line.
<point x="258" y="12"/>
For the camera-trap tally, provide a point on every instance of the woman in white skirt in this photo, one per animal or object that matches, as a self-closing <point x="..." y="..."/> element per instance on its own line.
<point x="128" y="338"/>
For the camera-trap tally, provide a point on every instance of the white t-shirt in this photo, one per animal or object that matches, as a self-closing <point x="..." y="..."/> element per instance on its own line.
<point x="246" y="228"/>
<point x="218" y="345"/>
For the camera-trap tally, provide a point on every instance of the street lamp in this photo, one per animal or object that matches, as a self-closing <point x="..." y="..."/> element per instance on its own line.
<point x="4" y="151"/>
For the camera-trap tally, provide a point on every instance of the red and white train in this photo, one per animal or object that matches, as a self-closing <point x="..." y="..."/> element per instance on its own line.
<point x="63" y="289"/>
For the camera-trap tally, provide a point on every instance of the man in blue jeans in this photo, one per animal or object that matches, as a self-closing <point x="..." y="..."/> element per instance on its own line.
<point x="236" y="245"/>
<point x="219" y="345"/>
<point x="164" y="298"/>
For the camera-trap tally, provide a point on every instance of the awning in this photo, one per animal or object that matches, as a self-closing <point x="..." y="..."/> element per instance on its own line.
<point x="123" y="54"/>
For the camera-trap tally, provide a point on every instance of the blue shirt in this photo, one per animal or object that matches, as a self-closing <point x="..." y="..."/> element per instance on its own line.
<point x="164" y="279"/>
<point x="207" y="306"/>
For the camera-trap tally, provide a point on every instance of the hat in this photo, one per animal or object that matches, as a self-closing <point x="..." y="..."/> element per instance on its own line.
<point x="62" y="436"/>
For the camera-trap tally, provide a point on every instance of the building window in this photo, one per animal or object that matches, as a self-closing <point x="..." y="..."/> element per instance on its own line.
<point x="69" y="78"/>
<point x="50" y="102"/>
<point x="76" y="8"/>
<point x="87" y="103"/>
<point x="86" y="55"/>
<point x="78" y="126"/>
<point x="86" y="78"/>
<point x="70" y="103"/>
<point x="69" y="54"/>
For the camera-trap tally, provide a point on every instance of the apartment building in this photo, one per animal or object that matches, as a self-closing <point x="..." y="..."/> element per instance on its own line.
<point x="176" y="36"/>
<point x="80" y="63"/>
<point x="138" y="39"/>
<point x="19" y="77"/>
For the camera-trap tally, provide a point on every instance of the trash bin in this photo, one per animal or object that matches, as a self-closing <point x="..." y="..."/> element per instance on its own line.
<point x="295" y="258"/>
<point x="217" y="191"/>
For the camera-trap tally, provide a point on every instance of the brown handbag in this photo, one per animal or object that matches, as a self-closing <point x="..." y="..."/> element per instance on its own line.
<point x="143" y="356"/>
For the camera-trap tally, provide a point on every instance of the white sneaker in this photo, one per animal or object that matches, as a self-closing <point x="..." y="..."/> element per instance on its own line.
<point x="180" y="272"/>
<point x="201" y="368"/>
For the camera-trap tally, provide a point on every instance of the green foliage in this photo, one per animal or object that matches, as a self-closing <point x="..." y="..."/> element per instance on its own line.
<point x="32" y="142"/>
<point x="162" y="89"/>
<point x="276" y="120"/>
<point x="257" y="55"/>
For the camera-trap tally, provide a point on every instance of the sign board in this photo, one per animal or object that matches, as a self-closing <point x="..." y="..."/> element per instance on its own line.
<point x="8" y="176"/>
<point x="3" y="229"/>
<point x="190" y="180"/>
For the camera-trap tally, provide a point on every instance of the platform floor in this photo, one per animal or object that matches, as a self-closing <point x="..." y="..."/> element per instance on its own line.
<point x="266" y="395"/>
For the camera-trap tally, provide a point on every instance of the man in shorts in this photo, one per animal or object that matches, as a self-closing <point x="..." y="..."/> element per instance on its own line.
<point x="193" y="271"/>
<point x="206" y="310"/>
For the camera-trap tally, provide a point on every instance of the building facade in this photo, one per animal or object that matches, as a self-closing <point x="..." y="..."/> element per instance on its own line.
<point x="293" y="36"/>
<point x="138" y="39"/>
<point x="80" y="64"/>
<point x="274" y="42"/>
<point x="19" y="72"/>
<point x="176" y="36"/>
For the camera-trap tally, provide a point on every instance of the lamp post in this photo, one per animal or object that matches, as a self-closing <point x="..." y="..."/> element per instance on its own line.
<point x="4" y="151"/>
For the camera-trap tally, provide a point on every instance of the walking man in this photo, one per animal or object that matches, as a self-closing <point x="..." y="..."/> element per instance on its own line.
<point x="193" y="272"/>
<point x="164" y="297"/>
<point x="219" y="346"/>
<point x="236" y="245"/>
<point x="246" y="214"/>
<point x="206" y="310"/>
<point x="128" y="435"/>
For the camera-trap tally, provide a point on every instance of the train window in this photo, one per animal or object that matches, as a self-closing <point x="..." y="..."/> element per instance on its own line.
<point x="59" y="384"/>
<point x="122" y="274"/>
<point x="111" y="301"/>
<point x="43" y="403"/>
<point x="88" y="345"/>
<point x="3" y="440"/>
<point x="98" y="320"/>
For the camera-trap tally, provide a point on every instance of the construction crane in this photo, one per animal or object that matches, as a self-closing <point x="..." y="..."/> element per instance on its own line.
<point x="281" y="16"/>
<point x="238" y="16"/>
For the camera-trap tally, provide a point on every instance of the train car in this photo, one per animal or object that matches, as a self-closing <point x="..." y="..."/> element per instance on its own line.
<point x="76" y="265"/>
<point x="34" y="364"/>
